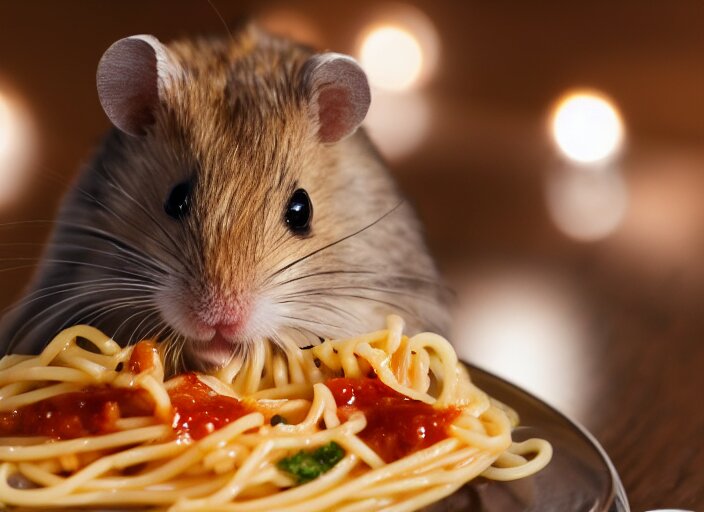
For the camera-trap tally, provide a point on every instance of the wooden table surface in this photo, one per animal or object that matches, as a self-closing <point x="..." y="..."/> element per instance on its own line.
<point x="610" y="331"/>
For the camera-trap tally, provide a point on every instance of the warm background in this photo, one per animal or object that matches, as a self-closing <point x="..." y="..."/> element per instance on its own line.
<point x="582" y="283"/>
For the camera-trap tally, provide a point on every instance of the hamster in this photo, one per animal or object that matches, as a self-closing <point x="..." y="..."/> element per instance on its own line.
<point x="236" y="199"/>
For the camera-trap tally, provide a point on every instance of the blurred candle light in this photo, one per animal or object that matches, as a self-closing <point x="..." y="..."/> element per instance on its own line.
<point x="392" y="58"/>
<point x="399" y="49"/>
<point x="398" y="123"/>
<point x="15" y="148"/>
<point x="587" y="127"/>
<point x="528" y="328"/>
<point x="587" y="206"/>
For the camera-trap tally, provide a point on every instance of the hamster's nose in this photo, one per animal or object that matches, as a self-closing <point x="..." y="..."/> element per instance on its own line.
<point x="227" y="330"/>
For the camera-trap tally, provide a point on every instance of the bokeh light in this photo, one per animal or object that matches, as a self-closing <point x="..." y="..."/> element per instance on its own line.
<point x="527" y="327"/>
<point x="398" y="123"/>
<point x="587" y="127"/>
<point x="399" y="48"/>
<point x="392" y="58"/>
<point x="16" y="151"/>
<point x="5" y="127"/>
<point x="587" y="206"/>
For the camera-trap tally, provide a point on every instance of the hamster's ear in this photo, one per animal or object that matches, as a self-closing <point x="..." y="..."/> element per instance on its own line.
<point x="131" y="75"/>
<point x="338" y="93"/>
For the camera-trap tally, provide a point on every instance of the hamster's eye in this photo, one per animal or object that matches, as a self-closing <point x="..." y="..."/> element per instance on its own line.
<point x="299" y="212"/>
<point x="178" y="203"/>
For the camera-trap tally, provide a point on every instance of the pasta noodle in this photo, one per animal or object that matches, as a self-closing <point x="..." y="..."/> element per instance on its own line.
<point x="226" y="442"/>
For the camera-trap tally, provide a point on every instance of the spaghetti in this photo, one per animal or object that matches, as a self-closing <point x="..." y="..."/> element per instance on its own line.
<point x="379" y="421"/>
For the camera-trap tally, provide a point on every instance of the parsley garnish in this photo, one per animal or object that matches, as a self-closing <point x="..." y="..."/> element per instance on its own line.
<point x="307" y="466"/>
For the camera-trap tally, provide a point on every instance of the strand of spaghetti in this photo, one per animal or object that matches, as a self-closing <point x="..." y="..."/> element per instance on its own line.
<point x="327" y="354"/>
<point x="303" y="492"/>
<point x="449" y="363"/>
<point x="36" y="395"/>
<point x="323" y="406"/>
<point x="425" y="498"/>
<point x="410" y="483"/>
<point x="162" y="401"/>
<point x="101" y="341"/>
<point x="498" y="442"/>
<point x="44" y="373"/>
<point x="231" y="455"/>
<point x="122" y="460"/>
<point x="159" y="496"/>
<point x="355" y="424"/>
<point x="350" y="488"/>
<point x="97" y="371"/>
<point x="353" y="444"/>
<point x="365" y="505"/>
<point x="462" y="456"/>
<point x="102" y="465"/>
<point x="543" y="454"/>
<point x="379" y="361"/>
<point x="72" y="351"/>
<point x="11" y="360"/>
<point x="236" y="483"/>
<point x="352" y="426"/>
<point x="16" y="388"/>
<point x="80" y="445"/>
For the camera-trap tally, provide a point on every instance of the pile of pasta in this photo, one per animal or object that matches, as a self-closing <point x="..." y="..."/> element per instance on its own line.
<point x="289" y="415"/>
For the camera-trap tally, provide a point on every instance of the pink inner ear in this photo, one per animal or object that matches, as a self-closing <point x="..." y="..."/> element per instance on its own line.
<point x="338" y="90"/>
<point x="128" y="85"/>
<point x="335" y="113"/>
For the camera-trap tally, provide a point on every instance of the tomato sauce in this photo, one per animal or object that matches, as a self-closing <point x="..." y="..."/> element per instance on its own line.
<point x="198" y="410"/>
<point x="396" y="425"/>
<point x="142" y="357"/>
<point x="91" y="411"/>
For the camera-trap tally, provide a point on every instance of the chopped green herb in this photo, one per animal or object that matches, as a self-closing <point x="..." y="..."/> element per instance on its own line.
<point x="306" y="466"/>
<point x="276" y="419"/>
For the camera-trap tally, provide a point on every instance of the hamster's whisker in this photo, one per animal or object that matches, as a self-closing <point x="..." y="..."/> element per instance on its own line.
<point x="328" y="307"/>
<point x="383" y="290"/>
<point x="118" y="243"/>
<point x="62" y="306"/>
<point x="19" y="223"/>
<point x="76" y="286"/>
<point x="116" y="270"/>
<point x="115" y="256"/>
<point x="315" y="322"/>
<point x="339" y="240"/>
<point x="391" y="305"/>
<point x="153" y="276"/>
<point x="149" y="215"/>
<point x="173" y="354"/>
<point x="128" y="339"/>
<point x="320" y="273"/>
<point x="132" y="225"/>
<point x="92" y="318"/>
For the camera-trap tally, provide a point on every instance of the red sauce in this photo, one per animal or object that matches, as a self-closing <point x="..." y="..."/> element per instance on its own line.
<point x="198" y="410"/>
<point x="142" y="357"/>
<point x="91" y="411"/>
<point x="396" y="425"/>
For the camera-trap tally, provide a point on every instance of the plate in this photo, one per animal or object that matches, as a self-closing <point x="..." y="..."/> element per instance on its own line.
<point x="579" y="478"/>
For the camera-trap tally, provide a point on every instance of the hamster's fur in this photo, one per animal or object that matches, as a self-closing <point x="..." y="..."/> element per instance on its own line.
<point x="236" y="124"/>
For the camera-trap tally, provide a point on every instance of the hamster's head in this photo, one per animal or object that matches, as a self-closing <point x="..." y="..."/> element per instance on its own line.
<point x="243" y="199"/>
